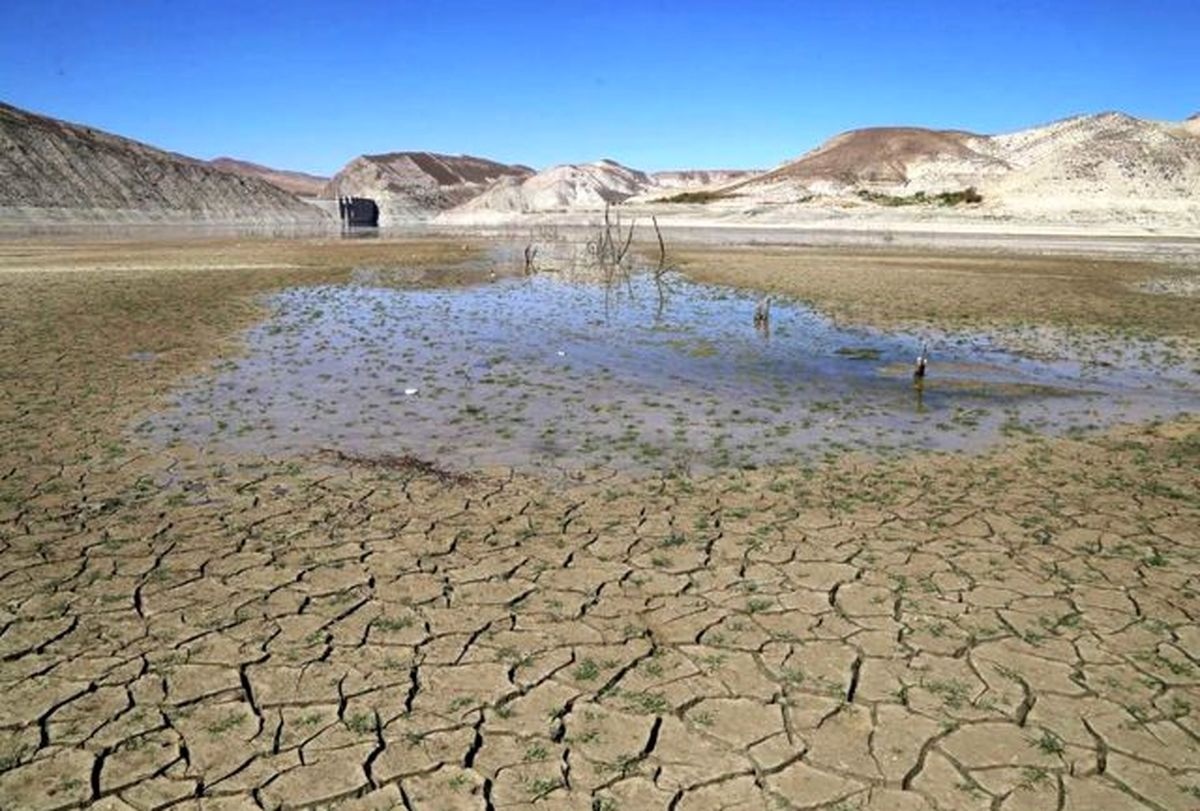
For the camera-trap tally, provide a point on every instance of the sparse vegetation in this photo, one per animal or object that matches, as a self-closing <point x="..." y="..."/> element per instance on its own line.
<point x="702" y="197"/>
<point x="1050" y="743"/>
<point x="968" y="196"/>
<point x="360" y="723"/>
<point x="587" y="670"/>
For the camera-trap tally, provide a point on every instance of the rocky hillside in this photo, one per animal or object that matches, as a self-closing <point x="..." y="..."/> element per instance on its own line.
<point x="51" y="170"/>
<point x="563" y="188"/>
<point x="1108" y="161"/>
<point x="300" y="184"/>
<point x="1109" y="157"/>
<point x="416" y="185"/>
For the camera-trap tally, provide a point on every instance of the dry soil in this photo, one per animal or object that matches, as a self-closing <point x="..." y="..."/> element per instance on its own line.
<point x="1015" y="630"/>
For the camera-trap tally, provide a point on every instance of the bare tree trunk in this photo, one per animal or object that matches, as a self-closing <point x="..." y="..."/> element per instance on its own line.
<point x="662" y="248"/>
<point x="628" y="239"/>
<point x="660" y="272"/>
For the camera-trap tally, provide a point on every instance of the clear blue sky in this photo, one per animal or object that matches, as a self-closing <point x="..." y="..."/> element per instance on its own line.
<point x="654" y="84"/>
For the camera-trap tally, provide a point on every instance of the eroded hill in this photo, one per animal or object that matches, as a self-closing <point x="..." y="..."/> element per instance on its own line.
<point x="52" y="170"/>
<point x="417" y="185"/>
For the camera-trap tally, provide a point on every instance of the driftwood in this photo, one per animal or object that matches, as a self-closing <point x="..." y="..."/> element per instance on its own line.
<point x="404" y="463"/>
<point x="762" y="312"/>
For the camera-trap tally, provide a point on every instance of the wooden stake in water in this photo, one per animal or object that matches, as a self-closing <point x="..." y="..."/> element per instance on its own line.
<point x="922" y="362"/>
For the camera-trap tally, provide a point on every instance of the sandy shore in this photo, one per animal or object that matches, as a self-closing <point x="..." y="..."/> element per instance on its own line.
<point x="934" y="228"/>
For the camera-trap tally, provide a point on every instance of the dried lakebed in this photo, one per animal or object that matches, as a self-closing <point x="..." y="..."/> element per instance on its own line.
<point x="206" y="631"/>
<point x="546" y="372"/>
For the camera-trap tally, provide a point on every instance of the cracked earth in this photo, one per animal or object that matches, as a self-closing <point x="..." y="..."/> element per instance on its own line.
<point x="1013" y="630"/>
<point x="1005" y="632"/>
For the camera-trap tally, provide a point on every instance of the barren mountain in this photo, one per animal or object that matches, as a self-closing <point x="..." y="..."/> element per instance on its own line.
<point x="889" y="157"/>
<point x="414" y="185"/>
<point x="300" y="184"/>
<point x="54" y="170"/>
<point x="1091" y="166"/>
<point x="1104" y="168"/>
<point x="881" y="154"/>
<point x="567" y="187"/>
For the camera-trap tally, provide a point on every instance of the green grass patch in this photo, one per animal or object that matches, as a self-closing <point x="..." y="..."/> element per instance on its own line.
<point x="701" y="197"/>
<point x="969" y="196"/>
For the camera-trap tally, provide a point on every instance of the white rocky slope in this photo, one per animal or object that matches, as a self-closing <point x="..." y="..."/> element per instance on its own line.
<point x="568" y="187"/>
<point x="1110" y="161"/>
<point x="54" y="171"/>
<point x="583" y="188"/>
<point x="690" y="179"/>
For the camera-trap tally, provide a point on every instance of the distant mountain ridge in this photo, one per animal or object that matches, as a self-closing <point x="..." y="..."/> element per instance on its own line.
<point x="52" y="170"/>
<point x="700" y="178"/>
<point x="300" y="184"/>
<point x="591" y="186"/>
<point x="565" y="187"/>
<point x="1103" y="167"/>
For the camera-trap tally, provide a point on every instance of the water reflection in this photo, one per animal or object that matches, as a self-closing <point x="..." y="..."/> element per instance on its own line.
<point x="545" y="371"/>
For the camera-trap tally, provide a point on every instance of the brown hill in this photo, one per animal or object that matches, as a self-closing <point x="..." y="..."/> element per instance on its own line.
<point x="55" y="170"/>
<point x="877" y="155"/>
<point x="300" y="184"/>
<point x="411" y="185"/>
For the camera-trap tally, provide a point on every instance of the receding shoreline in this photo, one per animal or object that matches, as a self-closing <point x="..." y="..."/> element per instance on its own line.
<point x="1172" y="244"/>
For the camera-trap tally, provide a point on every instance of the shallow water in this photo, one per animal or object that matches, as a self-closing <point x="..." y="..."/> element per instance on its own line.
<point x="544" y="373"/>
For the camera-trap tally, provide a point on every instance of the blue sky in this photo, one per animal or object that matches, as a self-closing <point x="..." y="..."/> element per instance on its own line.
<point x="654" y="84"/>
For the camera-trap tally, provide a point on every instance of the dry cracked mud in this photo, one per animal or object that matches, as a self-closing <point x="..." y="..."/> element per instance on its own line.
<point x="1012" y="630"/>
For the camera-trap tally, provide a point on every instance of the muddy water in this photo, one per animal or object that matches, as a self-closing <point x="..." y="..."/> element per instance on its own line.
<point x="545" y="373"/>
